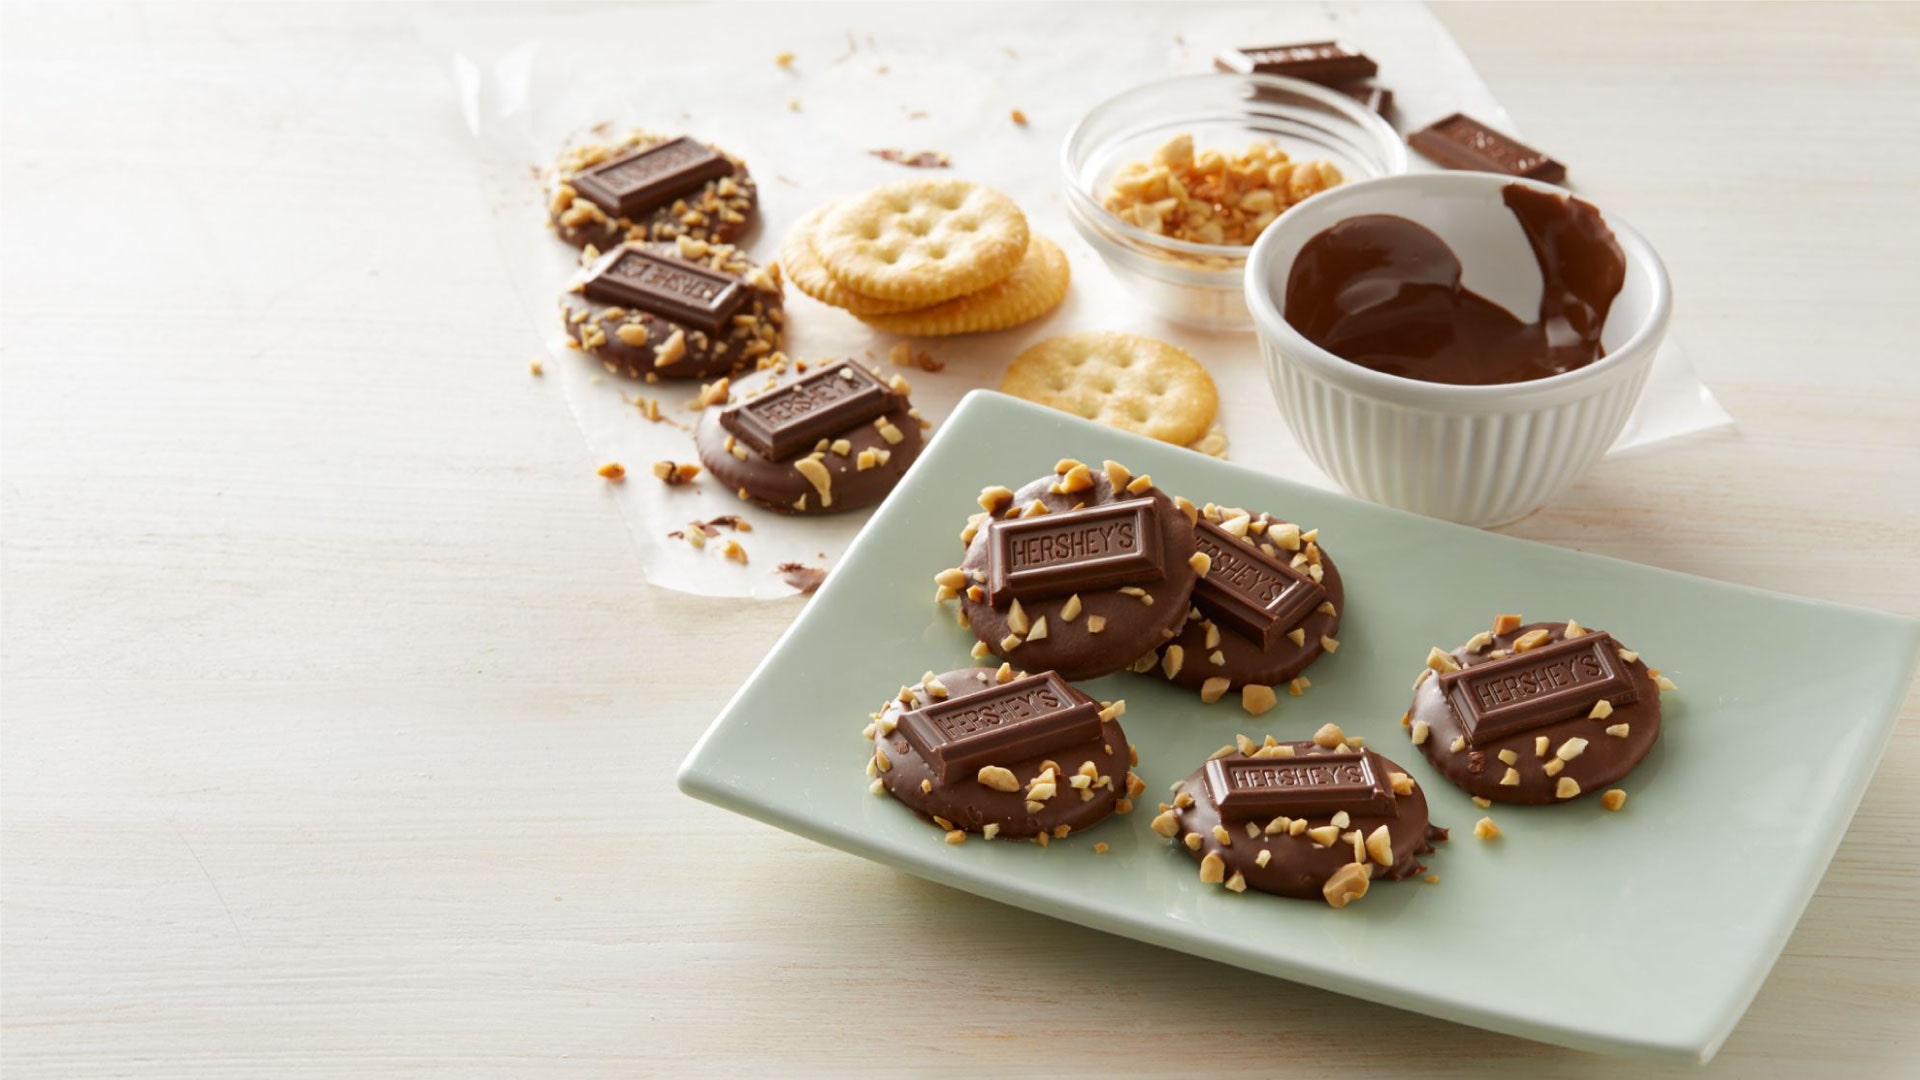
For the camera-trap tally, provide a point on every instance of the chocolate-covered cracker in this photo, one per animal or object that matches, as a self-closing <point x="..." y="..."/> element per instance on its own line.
<point x="684" y="310"/>
<point x="1268" y="606"/>
<point x="649" y="187"/>
<point x="810" y="438"/>
<point x="1084" y="572"/>
<point x="1002" y="753"/>
<point x="1320" y="819"/>
<point x="1536" y="713"/>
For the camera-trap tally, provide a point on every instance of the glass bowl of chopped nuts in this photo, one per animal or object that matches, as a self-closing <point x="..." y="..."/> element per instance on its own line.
<point x="1172" y="181"/>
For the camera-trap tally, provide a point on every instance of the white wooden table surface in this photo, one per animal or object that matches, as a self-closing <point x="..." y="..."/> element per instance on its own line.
<point x="339" y="730"/>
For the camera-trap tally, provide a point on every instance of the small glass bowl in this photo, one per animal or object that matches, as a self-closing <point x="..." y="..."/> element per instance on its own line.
<point x="1201" y="285"/>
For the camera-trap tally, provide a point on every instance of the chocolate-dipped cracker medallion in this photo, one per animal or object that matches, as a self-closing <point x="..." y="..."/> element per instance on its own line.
<point x="1002" y="753"/>
<point x="811" y="439"/>
<point x="1268" y="605"/>
<point x="1540" y="713"/>
<point x="682" y="310"/>
<point x="1083" y="572"/>
<point x="649" y="187"/>
<point x="1318" y="819"/>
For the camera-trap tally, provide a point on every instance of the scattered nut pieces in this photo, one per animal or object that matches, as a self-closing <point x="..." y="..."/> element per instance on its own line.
<point x="1601" y="710"/>
<point x="1257" y="699"/>
<point x="998" y="778"/>
<point x="1329" y="736"/>
<point x="1567" y="788"/>
<point x="924" y="159"/>
<point x="1213" y="869"/>
<point x="1421" y="729"/>
<point x="1530" y="640"/>
<point x="1506" y="624"/>
<point x="1485" y="829"/>
<point x="675" y="474"/>
<point x="1019" y="118"/>
<point x="1613" y="798"/>
<point x="1380" y="846"/>
<point x="1349" y="883"/>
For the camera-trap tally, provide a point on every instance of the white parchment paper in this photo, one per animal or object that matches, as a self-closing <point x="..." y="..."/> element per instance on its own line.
<point x="940" y="77"/>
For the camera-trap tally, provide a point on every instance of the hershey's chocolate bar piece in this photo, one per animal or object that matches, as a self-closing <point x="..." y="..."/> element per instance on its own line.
<point x="1540" y="686"/>
<point x="1010" y="722"/>
<point x="1377" y="98"/>
<point x="631" y="185"/>
<point x="1461" y="142"/>
<point x="1246" y="788"/>
<point x="1099" y="547"/>
<point x="789" y="420"/>
<point x="671" y="288"/>
<point x="1254" y="594"/>
<point x="1324" y="62"/>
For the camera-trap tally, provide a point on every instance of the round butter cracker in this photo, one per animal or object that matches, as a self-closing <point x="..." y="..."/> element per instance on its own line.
<point x="802" y="266"/>
<point x="1034" y="288"/>
<point x="1126" y="381"/>
<point x="923" y="241"/>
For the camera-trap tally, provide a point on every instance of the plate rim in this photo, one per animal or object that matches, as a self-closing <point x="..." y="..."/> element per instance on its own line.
<point x="1703" y="1040"/>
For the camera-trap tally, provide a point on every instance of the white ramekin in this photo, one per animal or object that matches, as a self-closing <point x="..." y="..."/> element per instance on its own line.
<point x="1480" y="455"/>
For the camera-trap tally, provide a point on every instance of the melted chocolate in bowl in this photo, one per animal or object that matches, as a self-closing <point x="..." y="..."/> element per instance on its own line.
<point x="1385" y="293"/>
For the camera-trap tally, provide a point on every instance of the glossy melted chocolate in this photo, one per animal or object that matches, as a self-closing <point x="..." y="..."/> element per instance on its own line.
<point x="1385" y="293"/>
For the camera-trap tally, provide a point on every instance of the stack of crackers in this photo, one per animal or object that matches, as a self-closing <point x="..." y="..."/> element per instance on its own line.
<point x="927" y="258"/>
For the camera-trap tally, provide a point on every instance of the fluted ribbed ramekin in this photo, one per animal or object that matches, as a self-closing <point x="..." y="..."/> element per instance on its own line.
<point x="1480" y="455"/>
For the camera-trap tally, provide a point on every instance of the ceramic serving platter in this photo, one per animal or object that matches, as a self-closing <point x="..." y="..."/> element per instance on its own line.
<point x="1643" y="932"/>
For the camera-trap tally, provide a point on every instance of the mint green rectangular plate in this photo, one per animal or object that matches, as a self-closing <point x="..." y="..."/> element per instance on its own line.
<point x="1643" y="932"/>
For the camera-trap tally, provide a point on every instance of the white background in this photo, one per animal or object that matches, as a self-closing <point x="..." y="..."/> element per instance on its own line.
<point x="339" y="728"/>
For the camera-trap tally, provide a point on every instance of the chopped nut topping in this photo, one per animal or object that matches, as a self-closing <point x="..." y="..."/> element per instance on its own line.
<point x="1214" y="689"/>
<point x="1117" y="475"/>
<point x="956" y="836"/>
<point x="1506" y="624"/>
<point x="1401" y="783"/>
<point x="673" y="475"/>
<point x="1201" y="563"/>
<point x="1096" y="623"/>
<point x="1540" y="743"/>
<point x="1213" y="869"/>
<point x="1167" y="824"/>
<point x="1298" y="686"/>
<point x="1573" y="630"/>
<point x="1222" y="837"/>
<point x="1297" y="635"/>
<point x="1238" y="882"/>
<point x="1039" y="632"/>
<point x="1324" y="836"/>
<point x="926" y="787"/>
<point x="1349" y="883"/>
<point x="817" y="475"/>
<point x="1193" y="840"/>
<point x="1278" y="825"/>
<point x="1508" y="757"/>
<point x="1567" y="788"/>
<point x="1171" y="662"/>
<point x="1601" y="710"/>
<point x="1618" y="731"/>
<point x="1256" y="699"/>
<point x="1017" y="619"/>
<point x="1113" y="710"/>
<point x="1613" y="798"/>
<point x="1421" y="729"/>
<point x="613" y="471"/>
<point x="1329" y="644"/>
<point x="1440" y="661"/>
<point x="1485" y="829"/>
<point x="1140" y="485"/>
<point x="1005" y="674"/>
<point x="1629" y="655"/>
<point x="998" y="778"/>
<point x="1010" y="643"/>
<point x="1479" y="641"/>
<point x="993" y="499"/>
<point x="991" y="830"/>
<point x="1459" y="743"/>
<point x="1077" y="479"/>
<point x="1511" y="778"/>
<point x="1380" y="846"/>
<point x="1571" y="749"/>
<point x="1531" y="639"/>
<point x="880" y="760"/>
<point x="1340" y="820"/>
<point x="1664" y="683"/>
<point x="1186" y="507"/>
<point x="1482" y="802"/>
<point x="1329" y="736"/>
